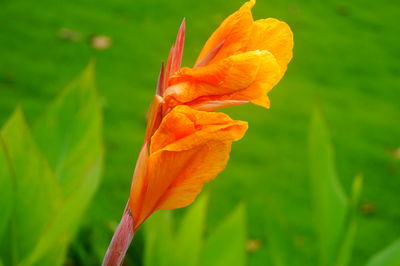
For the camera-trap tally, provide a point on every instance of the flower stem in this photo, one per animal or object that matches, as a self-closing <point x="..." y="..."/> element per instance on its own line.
<point x="120" y="242"/>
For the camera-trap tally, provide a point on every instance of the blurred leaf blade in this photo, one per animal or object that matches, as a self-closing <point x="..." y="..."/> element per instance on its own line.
<point x="346" y="245"/>
<point x="70" y="134"/>
<point x="329" y="198"/>
<point x="63" y="226"/>
<point x="279" y="242"/>
<point x="190" y="234"/>
<point x="70" y="131"/>
<point x="6" y="188"/>
<point x="226" y="244"/>
<point x="159" y="248"/>
<point x="38" y="195"/>
<point x="390" y="256"/>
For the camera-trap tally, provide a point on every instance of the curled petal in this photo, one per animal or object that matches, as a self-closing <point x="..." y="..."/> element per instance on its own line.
<point x="184" y="128"/>
<point x="243" y="77"/>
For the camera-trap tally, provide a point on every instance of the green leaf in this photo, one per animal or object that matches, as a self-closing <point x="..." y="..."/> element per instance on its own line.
<point x="190" y="235"/>
<point x="70" y="132"/>
<point x="226" y="245"/>
<point x="278" y="239"/>
<point x="6" y="188"/>
<point x="60" y="231"/>
<point x="390" y="256"/>
<point x="159" y="242"/>
<point x="47" y="214"/>
<point x="329" y="198"/>
<point x="346" y="246"/>
<point x="38" y="195"/>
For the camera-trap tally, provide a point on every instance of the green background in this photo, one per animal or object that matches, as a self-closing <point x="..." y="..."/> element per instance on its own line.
<point x="346" y="59"/>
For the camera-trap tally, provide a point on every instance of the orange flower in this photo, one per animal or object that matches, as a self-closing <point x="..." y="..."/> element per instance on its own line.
<point x="189" y="148"/>
<point x="186" y="145"/>
<point x="241" y="61"/>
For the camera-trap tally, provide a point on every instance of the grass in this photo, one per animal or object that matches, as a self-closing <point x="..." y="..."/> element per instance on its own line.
<point x="345" y="59"/>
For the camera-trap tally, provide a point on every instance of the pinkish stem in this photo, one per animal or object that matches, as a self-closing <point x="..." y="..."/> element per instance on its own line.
<point x="120" y="242"/>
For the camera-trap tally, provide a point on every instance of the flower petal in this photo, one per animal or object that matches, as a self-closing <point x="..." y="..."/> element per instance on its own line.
<point x="201" y="164"/>
<point x="154" y="116"/>
<point x="239" y="33"/>
<point x="242" y="77"/>
<point x="185" y="128"/>
<point x="188" y="149"/>
<point x="138" y="188"/>
<point x="262" y="101"/>
<point x="233" y="32"/>
<point x="274" y="36"/>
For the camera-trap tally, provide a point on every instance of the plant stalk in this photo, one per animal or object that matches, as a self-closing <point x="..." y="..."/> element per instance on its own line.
<point x="121" y="240"/>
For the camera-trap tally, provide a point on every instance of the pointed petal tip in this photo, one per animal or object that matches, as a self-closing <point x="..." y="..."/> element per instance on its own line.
<point x="183" y="23"/>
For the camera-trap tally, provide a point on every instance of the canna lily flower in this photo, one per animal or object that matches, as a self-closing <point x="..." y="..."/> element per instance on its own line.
<point x="186" y="144"/>
<point x="241" y="62"/>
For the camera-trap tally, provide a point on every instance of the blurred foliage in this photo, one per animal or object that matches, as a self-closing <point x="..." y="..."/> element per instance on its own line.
<point x="390" y="256"/>
<point x="346" y="53"/>
<point x="49" y="178"/>
<point x="335" y="221"/>
<point x="185" y="244"/>
<point x="331" y="204"/>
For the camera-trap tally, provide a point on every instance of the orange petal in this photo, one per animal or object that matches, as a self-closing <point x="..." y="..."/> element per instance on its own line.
<point x="184" y="128"/>
<point x="269" y="74"/>
<point x="274" y="36"/>
<point x="231" y="73"/>
<point x="242" y="77"/>
<point x="154" y="116"/>
<point x="188" y="149"/>
<point x="138" y="187"/>
<point x="212" y="105"/>
<point x="198" y="166"/>
<point x="262" y="101"/>
<point x="233" y="32"/>
<point x="239" y="33"/>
